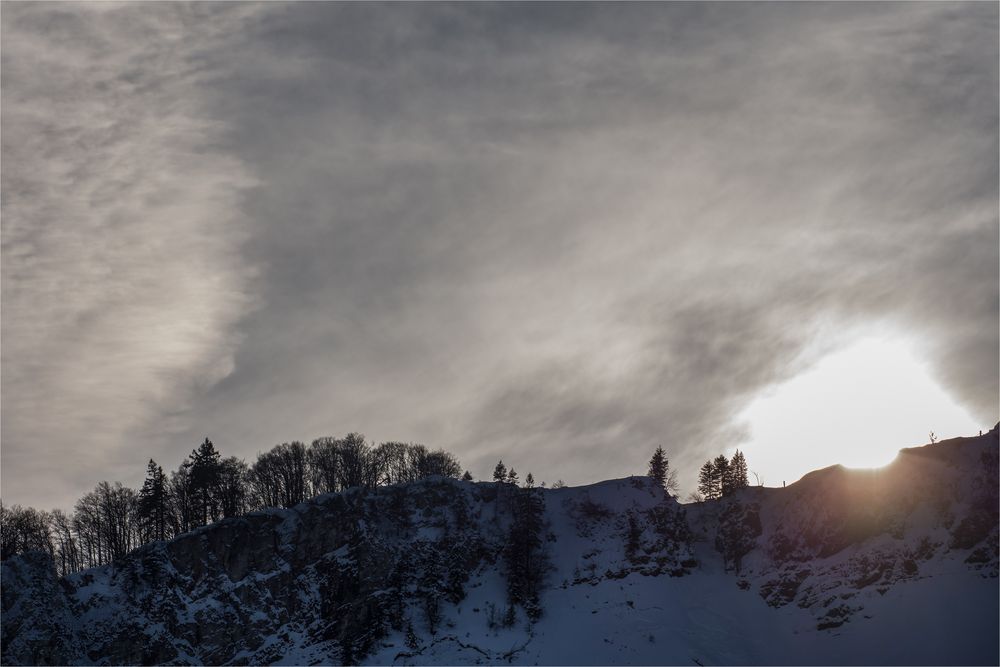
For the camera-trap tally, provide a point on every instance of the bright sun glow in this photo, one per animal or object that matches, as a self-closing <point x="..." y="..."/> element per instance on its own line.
<point x="857" y="407"/>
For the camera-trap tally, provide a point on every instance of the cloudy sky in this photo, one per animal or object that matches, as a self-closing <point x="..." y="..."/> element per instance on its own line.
<point x="556" y="234"/>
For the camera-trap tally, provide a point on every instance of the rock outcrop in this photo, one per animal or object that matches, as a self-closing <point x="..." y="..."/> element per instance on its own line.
<point x="334" y="574"/>
<point x="443" y="571"/>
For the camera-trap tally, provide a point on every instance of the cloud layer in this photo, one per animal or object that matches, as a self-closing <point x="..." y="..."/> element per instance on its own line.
<point x="122" y="274"/>
<point x="560" y="235"/>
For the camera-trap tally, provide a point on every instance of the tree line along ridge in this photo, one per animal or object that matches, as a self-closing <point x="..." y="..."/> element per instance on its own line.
<point x="113" y="519"/>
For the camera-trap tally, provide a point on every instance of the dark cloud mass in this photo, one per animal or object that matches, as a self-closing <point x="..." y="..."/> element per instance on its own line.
<point x="558" y="234"/>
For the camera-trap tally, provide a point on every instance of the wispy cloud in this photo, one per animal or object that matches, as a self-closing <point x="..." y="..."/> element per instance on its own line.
<point x="518" y="230"/>
<point x="122" y="274"/>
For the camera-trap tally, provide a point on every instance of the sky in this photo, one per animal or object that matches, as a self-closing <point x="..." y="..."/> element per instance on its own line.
<point x="556" y="234"/>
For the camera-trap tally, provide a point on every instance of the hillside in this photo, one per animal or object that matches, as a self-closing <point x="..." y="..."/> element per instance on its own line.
<point x="897" y="565"/>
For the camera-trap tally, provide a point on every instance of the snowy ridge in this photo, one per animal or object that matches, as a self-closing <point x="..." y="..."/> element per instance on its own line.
<point x="892" y="566"/>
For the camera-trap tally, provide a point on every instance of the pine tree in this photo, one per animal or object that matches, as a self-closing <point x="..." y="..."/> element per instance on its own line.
<point x="512" y="477"/>
<point x="529" y="481"/>
<point x="467" y="477"/>
<point x="706" y="481"/>
<point x="152" y="506"/>
<point x="205" y="468"/>
<point x="738" y="470"/>
<point x="723" y="476"/>
<point x="659" y="466"/>
<point x="500" y="472"/>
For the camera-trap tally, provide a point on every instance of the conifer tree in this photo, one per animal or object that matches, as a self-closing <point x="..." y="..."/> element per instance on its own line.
<point x="529" y="481"/>
<point x="153" y="499"/>
<point x="659" y="466"/>
<point x="706" y="481"/>
<point x="205" y="478"/>
<point x="512" y="477"/>
<point x="723" y="476"/>
<point x="738" y="471"/>
<point x="467" y="477"/>
<point x="500" y="472"/>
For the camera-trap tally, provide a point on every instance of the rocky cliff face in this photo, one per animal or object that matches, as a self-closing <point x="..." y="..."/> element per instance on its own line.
<point x="332" y="576"/>
<point x="839" y="537"/>
<point x="897" y="565"/>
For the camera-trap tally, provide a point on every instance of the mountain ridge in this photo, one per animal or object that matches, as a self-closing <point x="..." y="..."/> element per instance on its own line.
<point x="423" y="574"/>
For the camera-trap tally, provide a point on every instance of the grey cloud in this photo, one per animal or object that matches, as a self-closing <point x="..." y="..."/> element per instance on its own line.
<point x="122" y="278"/>
<point x="523" y="230"/>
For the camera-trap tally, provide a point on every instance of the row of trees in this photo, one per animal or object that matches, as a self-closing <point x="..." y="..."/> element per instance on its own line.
<point x="721" y="477"/>
<point x="113" y="519"/>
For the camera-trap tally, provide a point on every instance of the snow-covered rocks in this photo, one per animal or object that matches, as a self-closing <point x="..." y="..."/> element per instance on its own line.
<point x="897" y="565"/>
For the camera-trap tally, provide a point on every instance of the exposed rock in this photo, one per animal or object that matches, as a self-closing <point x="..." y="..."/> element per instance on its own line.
<point x="335" y="573"/>
<point x="412" y="573"/>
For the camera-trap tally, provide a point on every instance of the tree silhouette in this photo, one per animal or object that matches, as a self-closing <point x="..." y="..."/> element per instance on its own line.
<point x="723" y="475"/>
<point x="232" y="486"/>
<point x="738" y="471"/>
<point x="153" y="503"/>
<point x="658" y="466"/>
<point x="707" y="481"/>
<point x="204" y="479"/>
<point x="113" y="519"/>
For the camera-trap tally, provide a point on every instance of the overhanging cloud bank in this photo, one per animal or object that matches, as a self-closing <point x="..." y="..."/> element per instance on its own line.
<point x="555" y="235"/>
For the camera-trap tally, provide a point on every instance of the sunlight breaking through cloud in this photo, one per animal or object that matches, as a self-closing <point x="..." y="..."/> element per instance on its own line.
<point x="856" y="407"/>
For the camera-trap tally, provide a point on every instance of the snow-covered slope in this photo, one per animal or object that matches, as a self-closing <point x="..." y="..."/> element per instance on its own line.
<point x="891" y="566"/>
